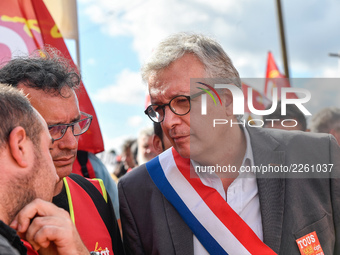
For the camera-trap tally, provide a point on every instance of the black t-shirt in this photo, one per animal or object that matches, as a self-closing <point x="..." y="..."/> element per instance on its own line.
<point x="61" y="201"/>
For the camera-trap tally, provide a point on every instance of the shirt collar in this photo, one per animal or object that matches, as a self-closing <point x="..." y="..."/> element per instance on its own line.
<point x="248" y="156"/>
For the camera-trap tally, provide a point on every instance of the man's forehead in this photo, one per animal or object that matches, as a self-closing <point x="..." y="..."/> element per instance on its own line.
<point x="161" y="97"/>
<point x="166" y="91"/>
<point x="64" y="92"/>
<point x="155" y="90"/>
<point x="54" y="108"/>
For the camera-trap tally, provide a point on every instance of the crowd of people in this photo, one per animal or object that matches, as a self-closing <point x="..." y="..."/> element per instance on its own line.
<point x="174" y="189"/>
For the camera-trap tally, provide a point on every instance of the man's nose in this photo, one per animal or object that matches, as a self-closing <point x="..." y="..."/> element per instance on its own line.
<point x="171" y="119"/>
<point x="69" y="141"/>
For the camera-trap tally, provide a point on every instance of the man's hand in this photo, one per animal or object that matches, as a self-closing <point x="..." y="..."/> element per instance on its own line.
<point x="48" y="228"/>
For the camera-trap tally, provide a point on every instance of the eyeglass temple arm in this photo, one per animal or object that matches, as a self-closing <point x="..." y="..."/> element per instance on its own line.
<point x="86" y="114"/>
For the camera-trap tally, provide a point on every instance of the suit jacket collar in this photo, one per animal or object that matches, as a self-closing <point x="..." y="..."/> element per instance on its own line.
<point x="271" y="190"/>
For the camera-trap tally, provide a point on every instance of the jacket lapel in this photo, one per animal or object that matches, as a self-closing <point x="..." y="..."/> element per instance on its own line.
<point x="271" y="190"/>
<point x="182" y="236"/>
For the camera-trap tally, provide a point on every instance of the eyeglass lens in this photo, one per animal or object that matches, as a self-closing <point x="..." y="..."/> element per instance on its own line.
<point x="78" y="128"/>
<point x="179" y="105"/>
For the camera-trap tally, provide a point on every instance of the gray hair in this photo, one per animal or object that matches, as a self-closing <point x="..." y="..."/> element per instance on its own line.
<point x="16" y="110"/>
<point x="216" y="62"/>
<point x="325" y="120"/>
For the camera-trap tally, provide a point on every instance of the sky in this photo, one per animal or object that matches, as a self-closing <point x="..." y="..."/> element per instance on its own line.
<point x="116" y="38"/>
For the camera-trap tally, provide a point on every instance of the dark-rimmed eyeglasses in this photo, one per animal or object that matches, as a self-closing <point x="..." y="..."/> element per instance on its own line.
<point x="78" y="127"/>
<point x="179" y="105"/>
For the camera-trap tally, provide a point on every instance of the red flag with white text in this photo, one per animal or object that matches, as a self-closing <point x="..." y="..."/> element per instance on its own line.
<point x="26" y="25"/>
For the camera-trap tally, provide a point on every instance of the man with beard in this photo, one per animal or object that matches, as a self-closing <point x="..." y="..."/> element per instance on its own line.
<point x="27" y="176"/>
<point x="50" y="84"/>
<point x="210" y="193"/>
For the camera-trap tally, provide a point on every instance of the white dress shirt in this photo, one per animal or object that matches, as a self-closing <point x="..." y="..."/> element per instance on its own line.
<point x="242" y="196"/>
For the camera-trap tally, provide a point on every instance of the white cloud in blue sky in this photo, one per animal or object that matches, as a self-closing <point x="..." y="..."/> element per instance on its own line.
<point x="247" y="29"/>
<point x="91" y="62"/>
<point x="128" y="89"/>
<point x="135" y="121"/>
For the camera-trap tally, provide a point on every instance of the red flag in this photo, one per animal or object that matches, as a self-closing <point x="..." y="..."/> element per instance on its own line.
<point x="147" y="100"/>
<point x="275" y="79"/>
<point x="26" y="25"/>
<point x="260" y="101"/>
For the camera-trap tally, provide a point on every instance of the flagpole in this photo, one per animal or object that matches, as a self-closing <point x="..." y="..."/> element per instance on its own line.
<point x="282" y="38"/>
<point x="77" y="39"/>
<point x="78" y="53"/>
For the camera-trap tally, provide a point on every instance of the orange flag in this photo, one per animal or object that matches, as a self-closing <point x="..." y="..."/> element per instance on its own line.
<point x="274" y="79"/>
<point x="26" y="25"/>
<point x="260" y="101"/>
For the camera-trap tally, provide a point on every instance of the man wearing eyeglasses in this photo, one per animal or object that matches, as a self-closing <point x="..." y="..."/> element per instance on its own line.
<point x="50" y="85"/>
<point x="197" y="198"/>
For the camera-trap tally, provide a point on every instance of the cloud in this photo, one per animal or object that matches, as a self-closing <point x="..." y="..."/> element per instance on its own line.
<point x="85" y="1"/>
<point x="135" y="121"/>
<point x="91" y="62"/>
<point x="332" y="72"/>
<point x="246" y="29"/>
<point x="150" y="21"/>
<point x="128" y="89"/>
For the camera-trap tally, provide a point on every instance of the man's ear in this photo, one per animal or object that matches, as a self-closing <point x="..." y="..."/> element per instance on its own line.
<point x="227" y="101"/>
<point x="18" y="146"/>
<point x="157" y="144"/>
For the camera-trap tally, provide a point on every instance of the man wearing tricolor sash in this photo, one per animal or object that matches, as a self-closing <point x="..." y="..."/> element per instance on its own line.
<point x="206" y="194"/>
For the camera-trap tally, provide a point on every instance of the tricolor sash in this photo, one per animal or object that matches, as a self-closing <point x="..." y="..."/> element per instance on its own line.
<point x="224" y="232"/>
